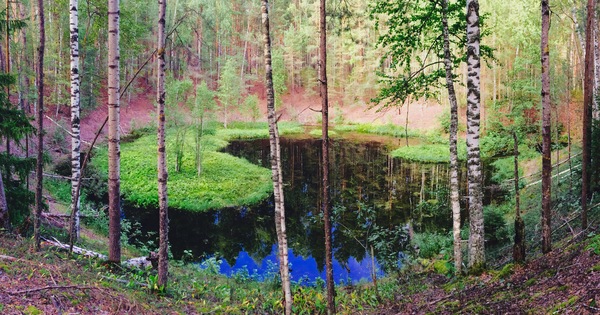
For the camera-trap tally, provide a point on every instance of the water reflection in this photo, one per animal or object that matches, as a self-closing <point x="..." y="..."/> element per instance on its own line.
<point x="371" y="193"/>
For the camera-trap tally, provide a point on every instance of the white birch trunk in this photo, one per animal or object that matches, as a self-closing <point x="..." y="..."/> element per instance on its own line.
<point x="114" y="168"/>
<point x="163" y="258"/>
<point x="474" y="173"/>
<point x="454" y="193"/>
<point x="276" y="166"/>
<point x="75" y="126"/>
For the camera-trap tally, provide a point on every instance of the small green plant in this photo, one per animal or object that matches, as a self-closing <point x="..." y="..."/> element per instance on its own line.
<point x="594" y="245"/>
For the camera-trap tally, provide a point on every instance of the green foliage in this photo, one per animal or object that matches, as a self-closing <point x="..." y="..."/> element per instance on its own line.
<point x="279" y="76"/>
<point x="495" y="229"/>
<point x="387" y="130"/>
<point x="430" y="245"/>
<point x="251" y="106"/>
<point x="429" y="153"/>
<point x="225" y="181"/>
<point x="231" y="88"/>
<point x="412" y="37"/>
<point x="15" y="126"/>
<point x="594" y="244"/>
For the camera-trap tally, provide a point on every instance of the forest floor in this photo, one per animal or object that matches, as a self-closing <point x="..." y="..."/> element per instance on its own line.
<point x="565" y="281"/>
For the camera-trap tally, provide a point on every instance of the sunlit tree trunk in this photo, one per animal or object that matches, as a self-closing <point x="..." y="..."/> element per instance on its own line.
<point x="546" y="132"/>
<point x="454" y="201"/>
<point x="4" y="218"/>
<point x="587" y="113"/>
<point x="325" y="159"/>
<point x="519" y="246"/>
<point x="474" y="169"/>
<point x="114" y="178"/>
<point x="75" y="128"/>
<point x="275" y="157"/>
<point x="40" y="154"/>
<point x="163" y="257"/>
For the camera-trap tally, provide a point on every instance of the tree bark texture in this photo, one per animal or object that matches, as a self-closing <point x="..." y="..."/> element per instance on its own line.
<point x="454" y="192"/>
<point x="75" y="126"/>
<point x="596" y="106"/>
<point x="546" y="132"/>
<point x="325" y="159"/>
<point x="474" y="169"/>
<point x="114" y="154"/>
<point x="4" y="217"/>
<point x="40" y="132"/>
<point x="519" y="246"/>
<point x="275" y="156"/>
<point x="588" y="94"/>
<point x="163" y="249"/>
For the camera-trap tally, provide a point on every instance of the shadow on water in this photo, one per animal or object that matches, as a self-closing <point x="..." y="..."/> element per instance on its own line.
<point x="374" y="197"/>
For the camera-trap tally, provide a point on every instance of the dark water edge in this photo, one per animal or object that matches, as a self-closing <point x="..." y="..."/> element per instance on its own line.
<point x="369" y="190"/>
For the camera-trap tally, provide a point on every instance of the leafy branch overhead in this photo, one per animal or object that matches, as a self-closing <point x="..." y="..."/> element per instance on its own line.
<point x="412" y="38"/>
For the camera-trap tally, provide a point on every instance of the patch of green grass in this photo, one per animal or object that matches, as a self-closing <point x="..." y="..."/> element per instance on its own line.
<point x="257" y="130"/>
<point x="429" y="153"/>
<point x="561" y="306"/>
<point x="59" y="189"/>
<point x="387" y="130"/>
<point x="530" y="282"/>
<point x="318" y="132"/>
<point x="225" y="180"/>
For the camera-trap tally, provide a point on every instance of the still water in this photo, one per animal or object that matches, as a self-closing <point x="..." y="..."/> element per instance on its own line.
<point x="372" y="194"/>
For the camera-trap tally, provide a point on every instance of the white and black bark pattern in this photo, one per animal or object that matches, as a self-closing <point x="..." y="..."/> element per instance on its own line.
<point x="114" y="154"/>
<point x="275" y="156"/>
<point x="454" y="192"/>
<point x="163" y="250"/>
<point x="546" y="131"/>
<point x="75" y="126"/>
<point x="474" y="169"/>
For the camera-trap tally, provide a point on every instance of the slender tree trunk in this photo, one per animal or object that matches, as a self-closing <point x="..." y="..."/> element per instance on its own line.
<point x="276" y="165"/>
<point x="596" y="107"/>
<point x="163" y="257"/>
<point x="454" y="193"/>
<point x="40" y="154"/>
<point x="114" y="177"/>
<point x="546" y="132"/>
<point x="325" y="159"/>
<point x="587" y="114"/>
<point x="4" y="217"/>
<point x="75" y="127"/>
<point x="474" y="169"/>
<point x="519" y="246"/>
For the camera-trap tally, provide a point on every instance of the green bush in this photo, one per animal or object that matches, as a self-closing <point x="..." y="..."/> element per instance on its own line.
<point x="431" y="245"/>
<point x="495" y="229"/>
<point x="429" y="153"/>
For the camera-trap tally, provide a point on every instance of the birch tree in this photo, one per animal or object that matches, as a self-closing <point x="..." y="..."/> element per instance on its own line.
<point x="163" y="250"/>
<point x="275" y="157"/>
<point x="546" y="131"/>
<point x="474" y="169"/>
<point x="325" y="158"/>
<point x="114" y="180"/>
<point x="75" y="126"/>
<point x="454" y="193"/>
<point x="40" y="154"/>
<point x="4" y="217"/>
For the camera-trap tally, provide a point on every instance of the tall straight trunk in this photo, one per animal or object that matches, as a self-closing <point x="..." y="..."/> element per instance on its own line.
<point x="474" y="169"/>
<point x="519" y="246"/>
<point x="4" y="217"/>
<point x="275" y="156"/>
<point x="163" y="249"/>
<point x="114" y="176"/>
<point x="596" y="107"/>
<point x="40" y="132"/>
<point x="75" y="127"/>
<point x="546" y="132"/>
<point x="587" y="113"/>
<point x="325" y="159"/>
<point x="454" y="193"/>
